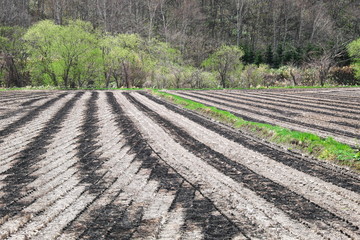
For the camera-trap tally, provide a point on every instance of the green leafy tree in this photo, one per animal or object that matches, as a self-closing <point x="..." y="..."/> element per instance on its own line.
<point x="61" y="55"/>
<point x="123" y="58"/>
<point x="166" y="65"/>
<point x="77" y="49"/>
<point x="354" y="52"/>
<point x="13" y="57"/>
<point x="224" y="61"/>
<point x="40" y="42"/>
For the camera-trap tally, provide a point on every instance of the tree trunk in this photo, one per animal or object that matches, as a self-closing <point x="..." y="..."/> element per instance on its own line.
<point x="40" y="9"/>
<point x="293" y="77"/>
<point x="66" y="77"/>
<point x="126" y="75"/>
<point x="152" y="5"/>
<point x="13" y="78"/>
<point x="223" y="79"/>
<point x="165" y="26"/>
<point x="301" y="22"/>
<point x="53" y="78"/>
<point x="275" y="17"/>
<point x="116" y="80"/>
<point x="58" y="12"/>
<point x="239" y="17"/>
<point x="107" y="79"/>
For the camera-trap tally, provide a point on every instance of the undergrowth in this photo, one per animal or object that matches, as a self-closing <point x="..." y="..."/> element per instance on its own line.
<point x="307" y="143"/>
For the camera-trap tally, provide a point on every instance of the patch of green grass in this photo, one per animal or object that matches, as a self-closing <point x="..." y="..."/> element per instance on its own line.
<point x="308" y="143"/>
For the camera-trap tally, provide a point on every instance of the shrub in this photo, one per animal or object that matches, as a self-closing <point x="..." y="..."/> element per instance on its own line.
<point x="309" y="77"/>
<point x="344" y="75"/>
<point x="354" y="52"/>
<point x="254" y="76"/>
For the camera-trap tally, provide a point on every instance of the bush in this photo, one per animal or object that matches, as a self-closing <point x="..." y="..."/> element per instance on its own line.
<point x="309" y="77"/>
<point x="354" y="52"/>
<point x="344" y="75"/>
<point x="254" y="76"/>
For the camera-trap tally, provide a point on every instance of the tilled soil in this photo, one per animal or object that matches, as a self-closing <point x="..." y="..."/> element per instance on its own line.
<point x="326" y="112"/>
<point x="126" y="165"/>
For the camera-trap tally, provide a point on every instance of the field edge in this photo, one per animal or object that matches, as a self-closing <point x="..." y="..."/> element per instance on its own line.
<point x="311" y="145"/>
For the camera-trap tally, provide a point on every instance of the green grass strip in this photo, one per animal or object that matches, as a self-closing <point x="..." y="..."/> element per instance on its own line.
<point x="307" y="143"/>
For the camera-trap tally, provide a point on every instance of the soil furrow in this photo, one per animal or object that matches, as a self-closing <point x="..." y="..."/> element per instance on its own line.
<point x="32" y="101"/>
<point x="49" y="213"/>
<point x="257" y="218"/>
<point x="347" y="100"/>
<point x="293" y="204"/>
<point x="73" y="184"/>
<point x="294" y="100"/>
<point x="336" y="176"/>
<point x="32" y="198"/>
<point x="18" y="175"/>
<point x="13" y="115"/>
<point x="274" y="119"/>
<point x="116" y="165"/>
<point x="23" y="97"/>
<point x="13" y="127"/>
<point x="335" y="199"/>
<point x="168" y="181"/>
<point x="298" y="107"/>
<point x="300" y="114"/>
<point x="281" y="112"/>
<point x="125" y="175"/>
<point x="64" y="184"/>
<point x="350" y="96"/>
<point x="52" y="163"/>
<point x="98" y="183"/>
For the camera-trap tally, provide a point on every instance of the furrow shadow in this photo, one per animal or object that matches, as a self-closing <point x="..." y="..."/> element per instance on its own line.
<point x="121" y="222"/>
<point x="338" y="178"/>
<point x="13" y="127"/>
<point x="19" y="175"/>
<point x="283" y="119"/>
<point x="295" y="205"/>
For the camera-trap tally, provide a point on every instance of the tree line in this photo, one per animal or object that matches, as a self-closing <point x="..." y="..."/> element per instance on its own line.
<point x="177" y="43"/>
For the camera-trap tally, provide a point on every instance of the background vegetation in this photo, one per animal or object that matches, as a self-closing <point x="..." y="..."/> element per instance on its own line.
<point x="179" y="43"/>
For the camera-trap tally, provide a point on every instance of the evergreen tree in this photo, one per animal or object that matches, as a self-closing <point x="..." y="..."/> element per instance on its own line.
<point x="279" y="58"/>
<point x="269" y="56"/>
<point x="259" y="58"/>
<point x="249" y="55"/>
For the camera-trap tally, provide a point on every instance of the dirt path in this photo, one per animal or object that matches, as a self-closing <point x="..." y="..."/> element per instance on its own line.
<point x="119" y="165"/>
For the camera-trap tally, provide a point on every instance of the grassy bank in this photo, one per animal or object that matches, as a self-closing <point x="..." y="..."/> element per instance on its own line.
<point x="308" y="143"/>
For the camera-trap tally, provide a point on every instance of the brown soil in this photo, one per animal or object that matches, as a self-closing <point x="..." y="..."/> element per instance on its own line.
<point x="323" y="116"/>
<point x="120" y="165"/>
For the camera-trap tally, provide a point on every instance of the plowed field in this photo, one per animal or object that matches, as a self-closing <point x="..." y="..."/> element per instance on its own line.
<point x="126" y="165"/>
<point x="325" y="112"/>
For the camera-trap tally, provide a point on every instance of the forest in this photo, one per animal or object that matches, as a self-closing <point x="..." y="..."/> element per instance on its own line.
<point x="179" y="43"/>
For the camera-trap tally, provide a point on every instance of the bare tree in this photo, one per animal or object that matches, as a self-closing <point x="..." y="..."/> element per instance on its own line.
<point x="152" y="8"/>
<point x="324" y="63"/>
<point x="240" y="6"/>
<point x="58" y="11"/>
